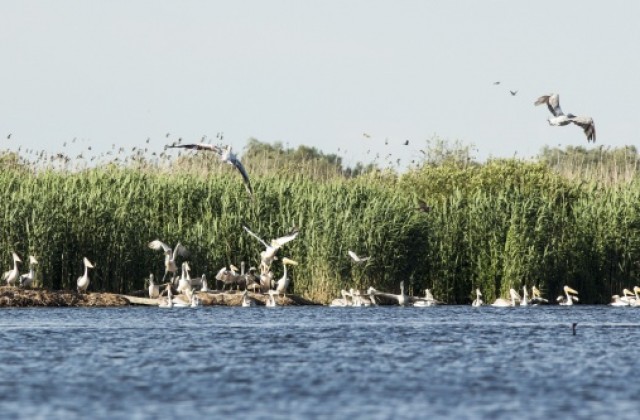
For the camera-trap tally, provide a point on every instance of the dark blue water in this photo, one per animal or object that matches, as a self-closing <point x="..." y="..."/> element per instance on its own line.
<point x="313" y="362"/>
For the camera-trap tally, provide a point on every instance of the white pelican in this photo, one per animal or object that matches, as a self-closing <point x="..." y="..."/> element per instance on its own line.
<point x="246" y="301"/>
<point x="560" y="119"/>
<point x="569" y="297"/>
<point x="502" y="303"/>
<point x="478" y="300"/>
<point x="266" y="281"/>
<point x="26" y="280"/>
<point x="228" y="277"/>
<point x="184" y="283"/>
<point x="271" y="301"/>
<point x="636" y="292"/>
<point x="624" y="300"/>
<point x="346" y="299"/>
<point x="525" y="297"/>
<point x="168" y="303"/>
<point x="170" y="265"/>
<point x="252" y="280"/>
<point x="617" y="301"/>
<point x="269" y="254"/>
<point x="83" y="281"/>
<point x="628" y="296"/>
<point x="283" y="283"/>
<point x="402" y="299"/>
<point x="356" y="258"/>
<point x="225" y="154"/>
<point x="428" y="300"/>
<point x="154" y="289"/>
<point x="11" y="276"/>
<point x="205" y="286"/>
<point x="537" y="296"/>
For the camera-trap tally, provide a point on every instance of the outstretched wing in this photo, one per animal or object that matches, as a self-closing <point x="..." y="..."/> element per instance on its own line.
<point x="587" y="125"/>
<point x="278" y="242"/>
<point x="197" y="146"/>
<point x="180" y="250"/>
<point x="553" y="103"/>
<point x="244" y="174"/>
<point x="255" y="236"/>
<point x="158" y="245"/>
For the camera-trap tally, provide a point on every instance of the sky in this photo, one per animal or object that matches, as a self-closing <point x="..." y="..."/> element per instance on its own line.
<point x="318" y="73"/>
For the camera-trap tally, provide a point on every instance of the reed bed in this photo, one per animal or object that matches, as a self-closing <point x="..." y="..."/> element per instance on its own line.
<point x="503" y="224"/>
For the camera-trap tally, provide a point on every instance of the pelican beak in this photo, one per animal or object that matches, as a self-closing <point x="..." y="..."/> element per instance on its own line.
<point x="570" y="290"/>
<point x="286" y="260"/>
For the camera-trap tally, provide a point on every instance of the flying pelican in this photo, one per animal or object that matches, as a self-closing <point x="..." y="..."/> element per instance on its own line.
<point x="11" y="276"/>
<point x="560" y="119"/>
<point x="478" y="300"/>
<point x="402" y="299"/>
<point x="356" y="258"/>
<point x="170" y="256"/>
<point x="26" y="280"/>
<point x="269" y="254"/>
<point x="502" y="303"/>
<point x="569" y="297"/>
<point x="154" y="289"/>
<point x="83" y="281"/>
<point x="283" y="283"/>
<point x="225" y="154"/>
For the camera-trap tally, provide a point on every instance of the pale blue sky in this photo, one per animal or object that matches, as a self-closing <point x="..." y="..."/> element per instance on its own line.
<point x="318" y="73"/>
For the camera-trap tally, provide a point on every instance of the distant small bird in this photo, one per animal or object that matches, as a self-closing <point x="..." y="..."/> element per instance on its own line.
<point x="496" y="83"/>
<point x="560" y="119"/>
<point x="167" y="135"/>
<point x="356" y="258"/>
<point x="423" y="206"/>
<point x="406" y="142"/>
<point x="9" y="136"/>
<point x="365" y="135"/>
<point x="513" y="92"/>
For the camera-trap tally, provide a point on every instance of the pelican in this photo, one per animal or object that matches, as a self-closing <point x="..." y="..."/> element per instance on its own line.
<point x="184" y="283"/>
<point x="271" y="301"/>
<point x="170" y="265"/>
<point x="228" y="277"/>
<point x="11" y="276"/>
<point x="252" y="280"/>
<point x="569" y="297"/>
<point x="617" y="301"/>
<point x="246" y="301"/>
<point x="636" y="292"/>
<point x="269" y="254"/>
<point x="344" y="301"/>
<point x="205" y="287"/>
<point x="266" y="281"/>
<point x="283" y="283"/>
<point x="560" y="119"/>
<point x="154" y="289"/>
<point x="402" y="299"/>
<point x="478" y="300"/>
<point x="537" y="296"/>
<point x="356" y="258"/>
<point x="83" y="281"/>
<point x="525" y="297"/>
<point x="502" y="303"/>
<point x="26" y="280"/>
<point x="628" y="296"/>
<point x="428" y="300"/>
<point x="168" y="303"/>
<point x="225" y="154"/>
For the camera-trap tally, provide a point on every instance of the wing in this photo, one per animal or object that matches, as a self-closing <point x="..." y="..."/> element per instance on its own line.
<point x="353" y="256"/>
<point x="553" y="103"/>
<point x="197" y="146"/>
<point x="587" y="125"/>
<point x="243" y="172"/>
<point x="255" y="236"/>
<point x="278" y="242"/>
<point x="159" y="246"/>
<point x="180" y="250"/>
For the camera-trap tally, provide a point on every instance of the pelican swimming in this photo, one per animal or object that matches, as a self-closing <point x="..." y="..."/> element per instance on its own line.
<point x="225" y="154"/>
<point x="246" y="301"/>
<point x="428" y="300"/>
<point x="478" y="300"/>
<point x="402" y="299"/>
<point x="617" y="301"/>
<point x="26" y="280"/>
<point x="356" y="258"/>
<point x="503" y="303"/>
<point x="345" y="300"/>
<point x="560" y="119"/>
<point x="624" y="300"/>
<point x="154" y="289"/>
<point x="283" y="283"/>
<point x="537" y="296"/>
<point x="525" y="297"/>
<point x="170" y="265"/>
<point x="269" y="254"/>
<point x="569" y="297"/>
<point x="11" y="276"/>
<point x="83" y="281"/>
<point x="271" y="300"/>
<point x="636" y="292"/>
<point x="168" y="303"/>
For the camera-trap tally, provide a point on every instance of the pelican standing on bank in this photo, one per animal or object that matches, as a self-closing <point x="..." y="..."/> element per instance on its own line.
<point x="283" y="283"/>
<point x="26" y="280"/>
<point x="569" y="297"/>
<point x="269" y="254"/>
<point x="225" y="154"/>
<point x="560" y="119"/>
<point x="11" y="276"/>
<point x="83" y="281"/>
<point x="478" y="300"/>
<point x="154" y="289"/>
<point x="170" y="256"/>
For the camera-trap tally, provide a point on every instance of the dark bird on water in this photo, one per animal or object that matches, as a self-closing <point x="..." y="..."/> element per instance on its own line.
<point x="225" y="155"/>
<point x="573" y="327"/>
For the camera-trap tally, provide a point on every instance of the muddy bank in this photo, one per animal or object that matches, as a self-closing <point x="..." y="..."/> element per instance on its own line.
<point x="14" y="297"/>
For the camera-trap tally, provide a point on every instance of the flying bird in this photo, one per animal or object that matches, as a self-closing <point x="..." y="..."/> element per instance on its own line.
<point x="9" y="136"/>
<point x="356" y="258"/>
<point x="496" y="83"/>
<point x="269" y="254"/>
<point x="406" y="142"/>
<point x="225" y="154"/>
<point x="513" y="92"/>
<point x="560" y="119"/>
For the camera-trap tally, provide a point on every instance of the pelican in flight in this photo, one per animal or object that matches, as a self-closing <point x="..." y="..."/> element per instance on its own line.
<point x="154" y="289"/>
<point x="26" y="280"/>
<point x="170" y="256"/>
<point x="478" y="300"/>
<point x="269" y="254"/>
<point x="356" y="258"/>
<point x="569" y="297"/>
<point x="283" y="283"/>
<point x="11" y="276"/>
<point x="225" y="154"/>
<point x="560" y="119"/>
<point x="83" y="281"/>
<point x="503" y="303"/>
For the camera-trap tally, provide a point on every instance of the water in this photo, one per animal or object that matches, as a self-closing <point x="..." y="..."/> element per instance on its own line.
<point x="311" y="362"/>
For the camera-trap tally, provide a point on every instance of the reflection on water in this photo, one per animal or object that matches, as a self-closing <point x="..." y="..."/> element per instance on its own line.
<point x="261" y="362"/>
